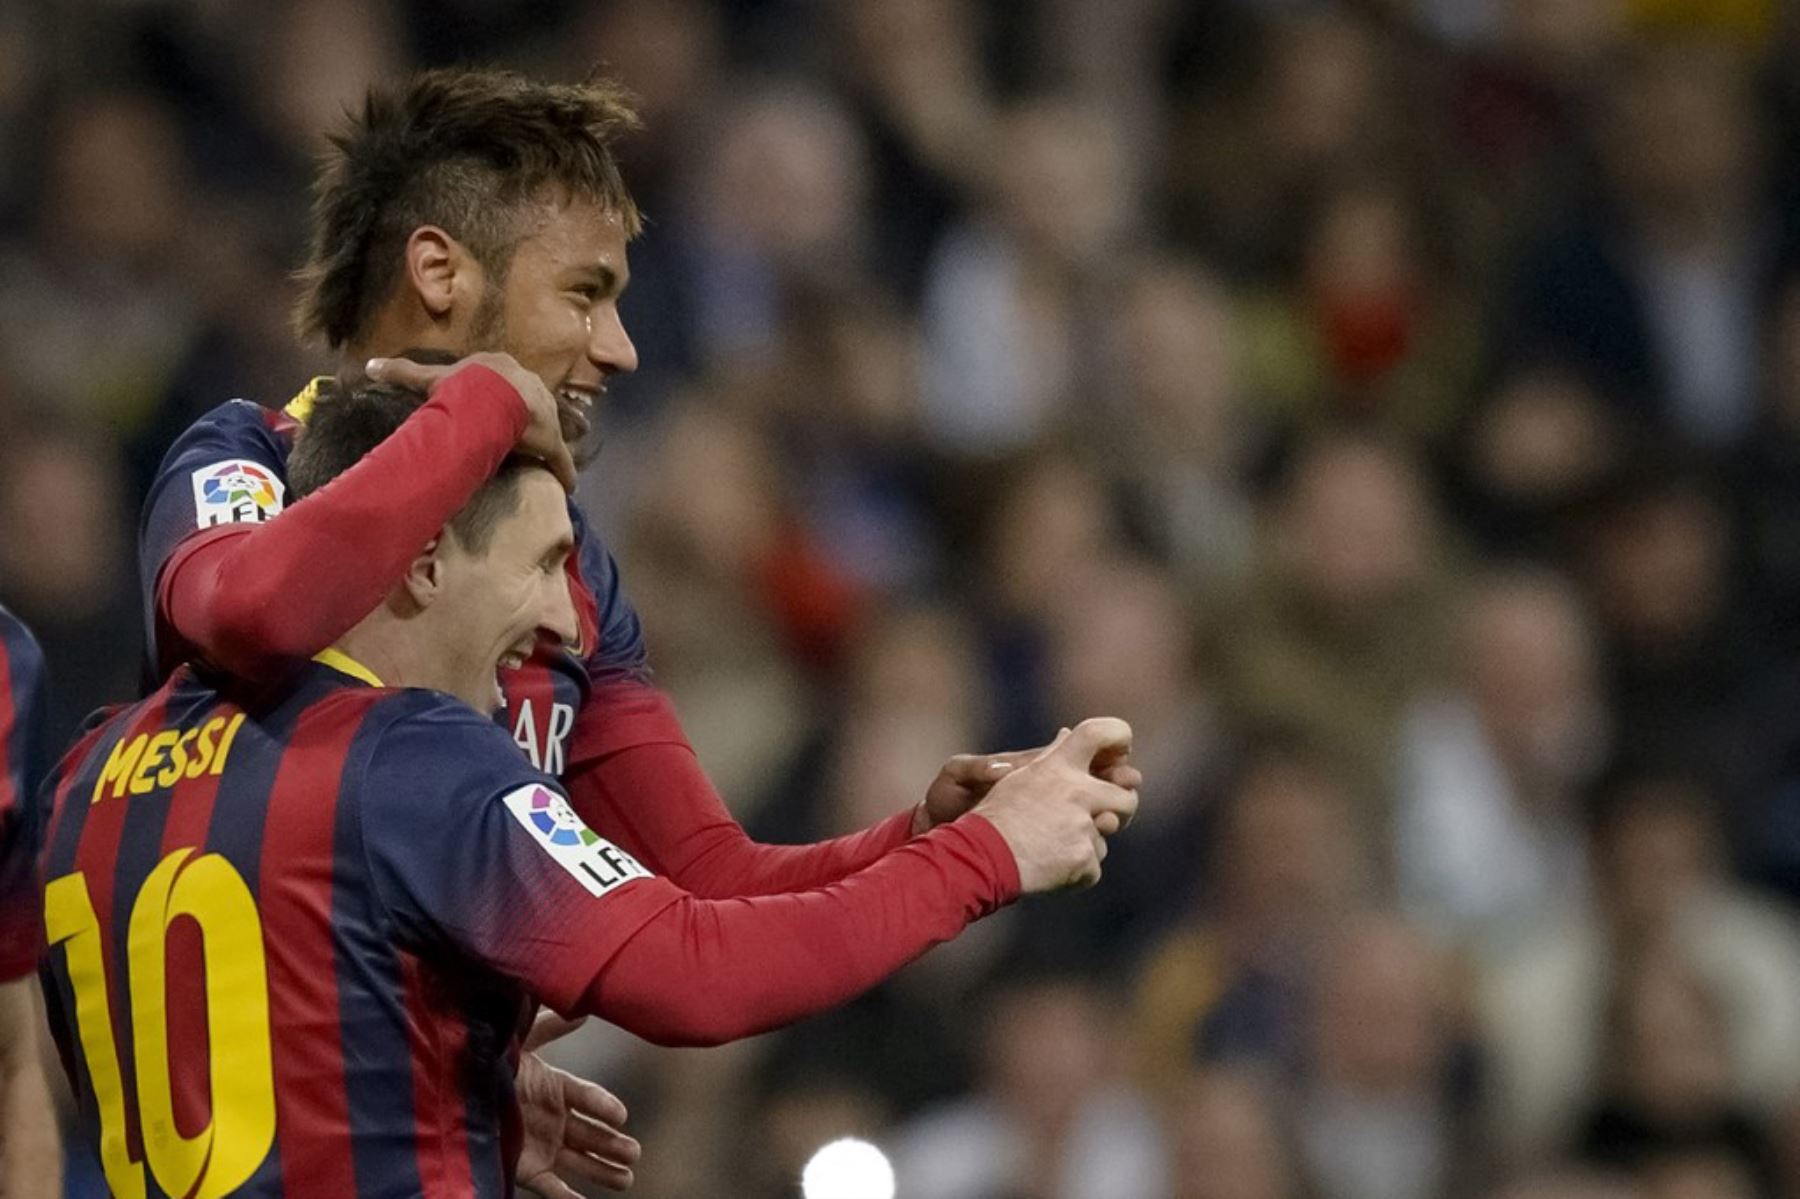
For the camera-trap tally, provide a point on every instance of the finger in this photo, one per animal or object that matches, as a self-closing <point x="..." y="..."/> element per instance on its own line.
<point x="614" y="1176"/>
<point x="1099" y="843"/>
<point x="548" y="1027"/>
<point x="594" y="1101"/>
<point x="1098" y="796"/>
<point x="1090" y="738"/>
<point x="561" y="462"/>
<point x="1107" y="823"/>
<point x="551" y="1187"/>
<point x="601" y="1140"/>
<point x="1055" y="746"/>
<point x="403" y="372"/>
<point x="1128" y="777"/>
<point x="977" y="772"/>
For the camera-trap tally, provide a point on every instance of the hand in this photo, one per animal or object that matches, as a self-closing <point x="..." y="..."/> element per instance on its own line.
<point x="966" y="779"/>
<point x="543" y="435"/>
<point x="573" y="1128"/>
<point x="1049" y="810"/>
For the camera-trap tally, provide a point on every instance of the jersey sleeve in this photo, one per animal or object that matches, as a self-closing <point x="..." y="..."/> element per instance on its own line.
<point x="469" y="848"/>
<point x="618" y="653"/>
<point x="21" y="743"/>
<point x="229" y="467"/>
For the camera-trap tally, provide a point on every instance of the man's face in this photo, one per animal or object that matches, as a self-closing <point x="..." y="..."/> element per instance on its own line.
<point x="494" y="604"/>
<point x="557" y="310"/>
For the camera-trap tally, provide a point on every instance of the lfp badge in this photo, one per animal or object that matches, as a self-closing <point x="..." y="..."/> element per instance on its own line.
<point x="236" y="492"/>
<point x="596" y="863"/>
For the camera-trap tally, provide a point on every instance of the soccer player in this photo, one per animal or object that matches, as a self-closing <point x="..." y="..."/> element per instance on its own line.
<point x="295" y="929"/>
<point x="473" y="212"/>
<point x="461" y="212"/>
<point x="30" y="1157"/>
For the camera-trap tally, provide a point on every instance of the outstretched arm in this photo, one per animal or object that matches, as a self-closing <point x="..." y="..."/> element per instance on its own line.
<point x="634" y="777"/>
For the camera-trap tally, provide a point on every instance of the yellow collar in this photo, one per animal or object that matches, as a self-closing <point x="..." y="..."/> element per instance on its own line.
<point x="343" y="663"/>
<point x="301" y="406"/>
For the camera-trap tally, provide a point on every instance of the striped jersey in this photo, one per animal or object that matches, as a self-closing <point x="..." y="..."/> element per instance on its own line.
<point x="21" y="743"/>
<point x="230" y="467"/>
<point x="294" y="936"/>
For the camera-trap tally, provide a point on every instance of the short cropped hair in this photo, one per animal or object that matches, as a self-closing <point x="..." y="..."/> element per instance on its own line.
<point x="469" y="150"/>
<point x="346" y="423"/>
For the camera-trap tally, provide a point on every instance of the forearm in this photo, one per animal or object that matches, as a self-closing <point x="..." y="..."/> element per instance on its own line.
<point x="655" y="800"/>
<point x="704" y="972"/>
<point x="249" y="597"/>
<point x="30" y="1150"/>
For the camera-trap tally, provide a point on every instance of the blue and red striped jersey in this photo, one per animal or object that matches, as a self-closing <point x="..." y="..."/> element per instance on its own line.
<point x="294" y="937"/>
<point x="230" y="467"/>
<point x="21" y="743"/>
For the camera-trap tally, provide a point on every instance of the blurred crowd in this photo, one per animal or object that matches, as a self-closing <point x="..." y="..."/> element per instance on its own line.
<point x="1391" y="408"/>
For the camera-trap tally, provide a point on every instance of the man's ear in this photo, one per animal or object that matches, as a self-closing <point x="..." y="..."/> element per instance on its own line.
<point x="441" y="272"/>
<point x="424" y="579"/>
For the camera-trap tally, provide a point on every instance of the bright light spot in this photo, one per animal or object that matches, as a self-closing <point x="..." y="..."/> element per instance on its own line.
<point x="848" y="1169"/>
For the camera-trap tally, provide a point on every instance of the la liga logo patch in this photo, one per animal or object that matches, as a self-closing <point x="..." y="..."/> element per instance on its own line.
<point x="236" y="491"/>
<point x="591" y="859"/>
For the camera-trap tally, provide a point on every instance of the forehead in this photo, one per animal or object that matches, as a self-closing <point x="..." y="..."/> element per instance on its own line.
<point x="541" y="518"/>
<point x="570" y="235"/>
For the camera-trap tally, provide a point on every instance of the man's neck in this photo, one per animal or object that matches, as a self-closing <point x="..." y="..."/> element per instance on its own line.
<point x="384" y="649"/>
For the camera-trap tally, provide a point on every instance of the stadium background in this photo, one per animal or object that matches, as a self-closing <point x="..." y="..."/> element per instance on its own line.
<point x="1391" y="408"/>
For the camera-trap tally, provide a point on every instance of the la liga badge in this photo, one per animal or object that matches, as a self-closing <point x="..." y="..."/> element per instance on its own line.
<point x="236" y="492"/>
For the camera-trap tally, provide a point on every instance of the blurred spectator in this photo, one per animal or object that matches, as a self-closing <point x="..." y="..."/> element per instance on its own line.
<point x="1284" y="871"/>
<point x="1655" y="291"/>
<point x="1050" y="1120"/>
<point x="1660" y="884"/>
<point x="1010" y="292"/>
<point x="1367" y="328"/>
<point x="1343" y="624"/>
<point x="1656" y="552"/>
<point x="1539" y="440"/>
<point x="1669" y="1109"/>
<point x="1227" y="1141"/>
<point x="1488" y="828"/>
<point x="1174" y="428"/>
<point x="707" y="529"/>
<point x="1377" y="1116"/>
<point x="1121" y="640"/>
<point x="64" y="566"/>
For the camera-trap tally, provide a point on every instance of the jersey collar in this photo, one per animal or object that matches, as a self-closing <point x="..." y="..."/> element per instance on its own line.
<point x="343" y="663"/>
<point x="301" y="406"/>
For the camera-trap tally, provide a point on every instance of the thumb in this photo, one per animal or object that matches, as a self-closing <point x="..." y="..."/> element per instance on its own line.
<point x="1052" y="749"/>
<point x="1088" y="740"/>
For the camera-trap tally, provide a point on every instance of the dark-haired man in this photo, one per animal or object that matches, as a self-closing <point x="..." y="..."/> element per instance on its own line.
<point x="381" y="885"/>
<point x="469" y="212"/>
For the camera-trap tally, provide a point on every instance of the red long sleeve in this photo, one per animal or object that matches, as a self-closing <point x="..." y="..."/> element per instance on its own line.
<point x="247" y="597"/>
<point x="633" y="776"/>
<point x="703" y="972"/>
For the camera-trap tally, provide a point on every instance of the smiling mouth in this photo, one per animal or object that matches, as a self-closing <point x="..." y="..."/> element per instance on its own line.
<point x="576" y="404"/>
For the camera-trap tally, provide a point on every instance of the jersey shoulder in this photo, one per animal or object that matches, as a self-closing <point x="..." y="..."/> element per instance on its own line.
<point x="419" y="746"/>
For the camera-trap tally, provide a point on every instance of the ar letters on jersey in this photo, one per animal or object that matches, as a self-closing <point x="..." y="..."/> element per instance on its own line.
<point x="545" y="749"/>
<point x="236" y="491"/>
<point x="596" y="863"/>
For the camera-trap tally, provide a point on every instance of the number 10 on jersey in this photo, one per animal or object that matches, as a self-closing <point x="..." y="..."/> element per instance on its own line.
<point x="227" y="1151"/>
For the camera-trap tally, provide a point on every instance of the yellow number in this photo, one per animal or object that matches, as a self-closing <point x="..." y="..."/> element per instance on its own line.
<point x="224" y="1154"/>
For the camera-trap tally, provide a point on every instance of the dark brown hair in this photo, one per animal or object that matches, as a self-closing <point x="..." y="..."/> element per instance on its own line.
<point x="467" y="150"/>
<point x="346" y="423"/>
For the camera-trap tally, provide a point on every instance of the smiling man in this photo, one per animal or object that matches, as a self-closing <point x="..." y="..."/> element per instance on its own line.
<point x="296" y="930"/>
